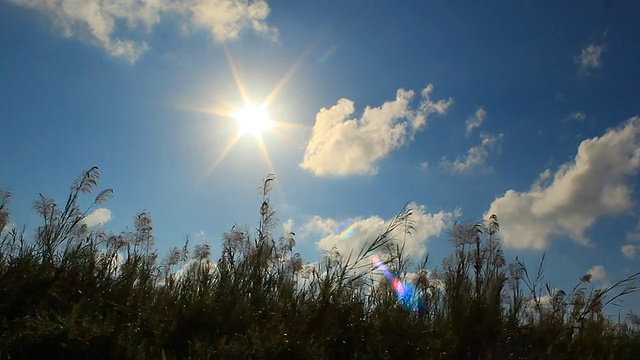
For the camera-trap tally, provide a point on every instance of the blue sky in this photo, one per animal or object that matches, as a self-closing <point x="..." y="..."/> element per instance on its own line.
<point x="459" y="109"/>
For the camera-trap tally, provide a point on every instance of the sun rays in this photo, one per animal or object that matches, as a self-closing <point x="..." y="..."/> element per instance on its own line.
<point x="250" y="116"/>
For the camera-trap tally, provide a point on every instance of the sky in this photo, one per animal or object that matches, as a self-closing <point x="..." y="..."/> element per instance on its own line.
<point x="456" y="109"/>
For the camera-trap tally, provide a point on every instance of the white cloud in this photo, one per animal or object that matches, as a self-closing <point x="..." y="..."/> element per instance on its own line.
<point x="577" y="115"/>
<point x="596" y="183"/>
<point x="340" y="145"/>
<point x="629" y="250"/>
<point x="597" y="272"/>
<point x="476" y="156"/>
<point x="102" y="22"/>
<point x="201" y="237"/>
<point x="348" y="236"/>
<point x="544" y="300"/>
<point x="590" y="57"/>
<point x="475" y="121"/>
<point x="225" y="18"/>
<point x="634" y="235"/>
<point x="287" y="226"/>
<point x="98" y="217"/>
<point x="194" y="265"/>
<point x="428" y="106"/>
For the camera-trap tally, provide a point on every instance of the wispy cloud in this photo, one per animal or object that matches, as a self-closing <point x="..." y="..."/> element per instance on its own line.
<point x="630" y="250"/>
<point x="475" y="121"/>
<point x="633" y="236"/>
<point x="98" y="217"/>
<point x="476" y="156"/>
<point x="350" y="236"/>
<point x="566" y="203"/>
<point x="590" y="57"/>
<point x="111" y="25"/>
<point x="201" y="237"/>
<point x="577" y="115"/>
<point x="341" y="145"/>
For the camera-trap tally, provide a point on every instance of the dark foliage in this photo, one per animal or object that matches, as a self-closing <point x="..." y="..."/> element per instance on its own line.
<point x="75" y="292"/>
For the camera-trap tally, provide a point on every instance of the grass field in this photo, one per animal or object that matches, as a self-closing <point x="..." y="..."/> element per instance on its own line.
<point x="74" y="292"/>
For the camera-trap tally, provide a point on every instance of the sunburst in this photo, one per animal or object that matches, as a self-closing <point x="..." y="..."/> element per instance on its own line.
<point x="252" y="118"/>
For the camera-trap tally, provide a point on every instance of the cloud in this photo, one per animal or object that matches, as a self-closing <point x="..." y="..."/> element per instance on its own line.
<point x="225" y="18"/>
<point x="349" y="236"/>
<point x="108" y="24"/>
<point x="634" y="235"/>
<point x="475" y="121"/>
<point x="287" y="226"/>
<point x="590" y="58"/>
<point x="201" y="237"/>
<point x="98" y="217"/>
<point x="597" y="272"/>
<point x="476" y="156"/>
<point x="341" y="145"/>
<point x="594" y="184"/>
<point x="629" y="250"/>
<point x="194" y="265"/>
<point x="579" y="116"/>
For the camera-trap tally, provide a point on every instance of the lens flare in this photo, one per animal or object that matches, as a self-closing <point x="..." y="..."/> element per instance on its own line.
<point x="347" y="231"/>
<point x="405" y="292"/>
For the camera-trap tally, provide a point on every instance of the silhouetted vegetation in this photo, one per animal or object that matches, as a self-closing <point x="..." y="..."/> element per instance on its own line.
<point x="76" y="292"/>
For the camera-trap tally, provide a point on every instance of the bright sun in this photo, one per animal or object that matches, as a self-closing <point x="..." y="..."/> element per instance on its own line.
<point x="252" y="119"/>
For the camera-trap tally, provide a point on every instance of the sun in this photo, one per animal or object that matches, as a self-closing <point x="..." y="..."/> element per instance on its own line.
<point x="252" y="119"/>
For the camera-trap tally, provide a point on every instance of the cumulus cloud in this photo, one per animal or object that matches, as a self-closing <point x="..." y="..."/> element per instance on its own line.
<point x="590" y="58"/>
<point x="597" y="272"/>
<point x="225" y="18"/>
<point x="98" y="217"/>
<point x="476" y="156"/>
<point x="342" y="145"/>
<point x="194" y="265"/>
<point x="349" y="236"/>
<point x="110" y="24"/>
<point x="568" y="202"/>
<point x="475" y="121"/>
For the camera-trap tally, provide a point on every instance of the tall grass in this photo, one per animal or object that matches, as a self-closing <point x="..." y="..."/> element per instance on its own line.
<point x="74" y="292"/>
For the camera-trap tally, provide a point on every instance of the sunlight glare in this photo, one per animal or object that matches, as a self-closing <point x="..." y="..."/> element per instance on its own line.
<point x="252" y="119"/>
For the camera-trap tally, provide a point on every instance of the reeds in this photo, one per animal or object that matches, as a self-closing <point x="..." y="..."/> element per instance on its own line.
<point x="74" y="292"/>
